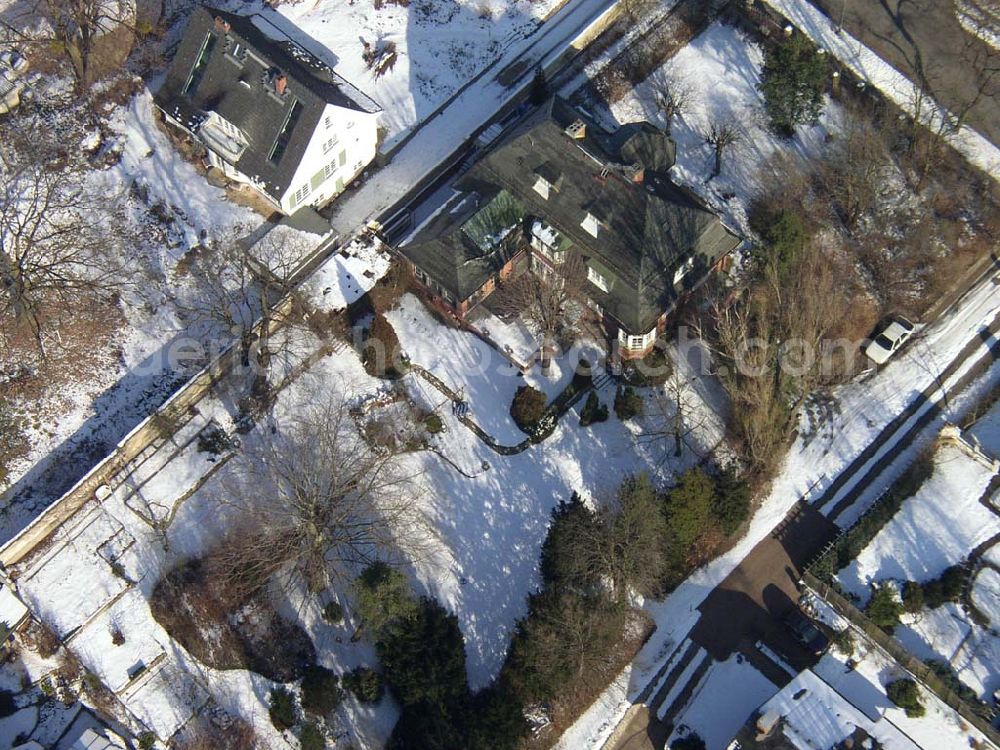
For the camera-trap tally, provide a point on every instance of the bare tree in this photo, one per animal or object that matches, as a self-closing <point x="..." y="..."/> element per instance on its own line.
<point x="315" y="496"/>
<point x="673" y="413"/>
<point x="673" y="94"/>
<point x="543" y="297"/>
<point x="236" y="284"/>
<point x="75" y="26"/>
<point x="60" y="241"/>
<point x="721" y="135"/>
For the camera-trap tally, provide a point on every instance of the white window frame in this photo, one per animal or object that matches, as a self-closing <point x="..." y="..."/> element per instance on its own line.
<point x="299" y="196"/>
<point x="597" y="279"/>
<point x="330" y="144"/>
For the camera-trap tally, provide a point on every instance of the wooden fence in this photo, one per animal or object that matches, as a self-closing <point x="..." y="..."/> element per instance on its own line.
<point x="980" y="715"/>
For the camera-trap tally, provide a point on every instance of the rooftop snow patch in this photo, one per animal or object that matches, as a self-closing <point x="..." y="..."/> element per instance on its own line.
<point x="347" y="274"/>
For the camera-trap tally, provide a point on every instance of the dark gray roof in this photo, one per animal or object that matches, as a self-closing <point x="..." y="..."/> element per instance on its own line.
<point x="648" y="228"/>
<point x="447" y="253"/>
<point x="242" y="93"/>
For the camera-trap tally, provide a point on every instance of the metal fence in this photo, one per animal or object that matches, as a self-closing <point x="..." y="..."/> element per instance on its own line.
<point x="980" y="715"/>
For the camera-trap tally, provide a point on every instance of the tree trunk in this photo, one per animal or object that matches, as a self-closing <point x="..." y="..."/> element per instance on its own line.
<point x="718" y="161"/>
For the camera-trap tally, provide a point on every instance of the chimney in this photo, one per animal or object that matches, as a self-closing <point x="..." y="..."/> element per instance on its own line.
<point x="577" y="130"/>
<point x="637" y="172"/>
<point x="221" y="25"/>
<point x="280" y="84"/>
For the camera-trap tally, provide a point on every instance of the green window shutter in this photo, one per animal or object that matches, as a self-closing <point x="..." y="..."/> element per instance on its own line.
<point x="340" y="184"/>
<point x="317" y="179"/>
<point x="343" y="158"/>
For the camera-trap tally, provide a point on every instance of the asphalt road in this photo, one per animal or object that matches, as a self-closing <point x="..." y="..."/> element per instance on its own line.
<point x="924" y="40"/>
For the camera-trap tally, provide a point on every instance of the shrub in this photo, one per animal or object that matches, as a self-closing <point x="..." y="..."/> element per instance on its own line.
<point x="382" y="354"/>
<point x="365" y="683"/>
<point x="382" y="594"/>
<point x="213" y="440"/>
<point x="844" y="641"/>
<point x="321" y="691"/>
<point x="948" y="676"/>
<point x="945" y="588"/>
<point x="792" y="82"/>
<point x="333" y="613"/>
<point x="146" y="740"/>
<point x="628" y="403"/>
<point x="282" y="709"/>
<point x="311" y="738"/>
<point x="884" y="608"/>
<point x="593" y="411"/>
<point x="527" y="408"/>
<point x="913" y="596"/>
<point x="433" y="424"/>
<point x="7" y="704"/>
<point x="905" y="694"/>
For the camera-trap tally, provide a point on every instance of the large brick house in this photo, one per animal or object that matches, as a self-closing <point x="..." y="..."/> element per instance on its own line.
<point x="557" y="185"/>
<point x="268" y="113"/>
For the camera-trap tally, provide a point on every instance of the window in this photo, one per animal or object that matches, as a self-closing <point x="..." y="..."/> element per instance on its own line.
<point x="361" y="163"/>
<point x="542" y="187"/>
<point x="636" y="343"/>
<point x="281" y="141"/>
<point x="329" y="144"/>
<point x="683" y="270"/>
<point x="198" y="70"/>
<point x="328" y="122"/>
<point x="590" y="224"/>
<point x="236" y="51"/>
<point x="301" y="194"/>
<point x="597" y="279"/>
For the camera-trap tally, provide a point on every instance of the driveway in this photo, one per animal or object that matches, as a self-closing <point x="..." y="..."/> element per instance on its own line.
<point x="924" y="40"/>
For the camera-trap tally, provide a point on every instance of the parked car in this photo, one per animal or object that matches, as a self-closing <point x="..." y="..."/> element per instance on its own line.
<point x="885" y="344"/>
<point x="806" y="632"/>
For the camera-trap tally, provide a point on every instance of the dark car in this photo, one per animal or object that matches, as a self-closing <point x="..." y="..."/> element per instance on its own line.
<point x="806" y="632"/>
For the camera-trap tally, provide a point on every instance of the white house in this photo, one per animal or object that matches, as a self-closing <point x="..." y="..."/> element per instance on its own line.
<point x="268" y="113"/>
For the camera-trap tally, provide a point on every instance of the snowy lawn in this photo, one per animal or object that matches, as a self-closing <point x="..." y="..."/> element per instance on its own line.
<point x="723" y="69"/>
<point x="941" y="728"/>
<point x="438" y="48"/>
<point x="947" y="634"/>
<point x="986" y="595"/>
<point x="937" y="527"/>
<point x="726" y="697"/>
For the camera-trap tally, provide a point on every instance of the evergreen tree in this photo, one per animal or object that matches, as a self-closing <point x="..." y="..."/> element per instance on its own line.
<point x="792" y="82"/>
<point x="567" y="562"/>
<point x="423" y="657"/>
<point x="689" y="506"/>
<point x="382" y="594"/>
<point x="731" y="503"/>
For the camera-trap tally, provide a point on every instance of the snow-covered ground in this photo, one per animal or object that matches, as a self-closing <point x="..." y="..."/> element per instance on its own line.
<point x="489" y="514"/>
<point x="467" y="113"/>
<point x="841" y="698"/>
<point x="875" y="71"/>
<point x="936" y="528"/>
<point x="439" y="47"/>
<point x="173" y="208"/>
<point x="982" y="18"/>
<point x="725" y="698"/>
<point x="722" y="68"/>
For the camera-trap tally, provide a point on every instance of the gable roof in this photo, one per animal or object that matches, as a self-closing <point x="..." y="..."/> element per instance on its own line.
<point x="241" y="90"/>
<point x="648" y="228"/>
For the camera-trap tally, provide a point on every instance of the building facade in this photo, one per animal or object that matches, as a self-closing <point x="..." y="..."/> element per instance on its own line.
<point x="267" y="112"/>
<point x="560" y="187"/>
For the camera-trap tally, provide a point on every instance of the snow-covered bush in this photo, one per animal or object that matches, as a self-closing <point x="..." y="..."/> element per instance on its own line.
<point x="905" y="694"/>
<point x="527" y="408"/>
